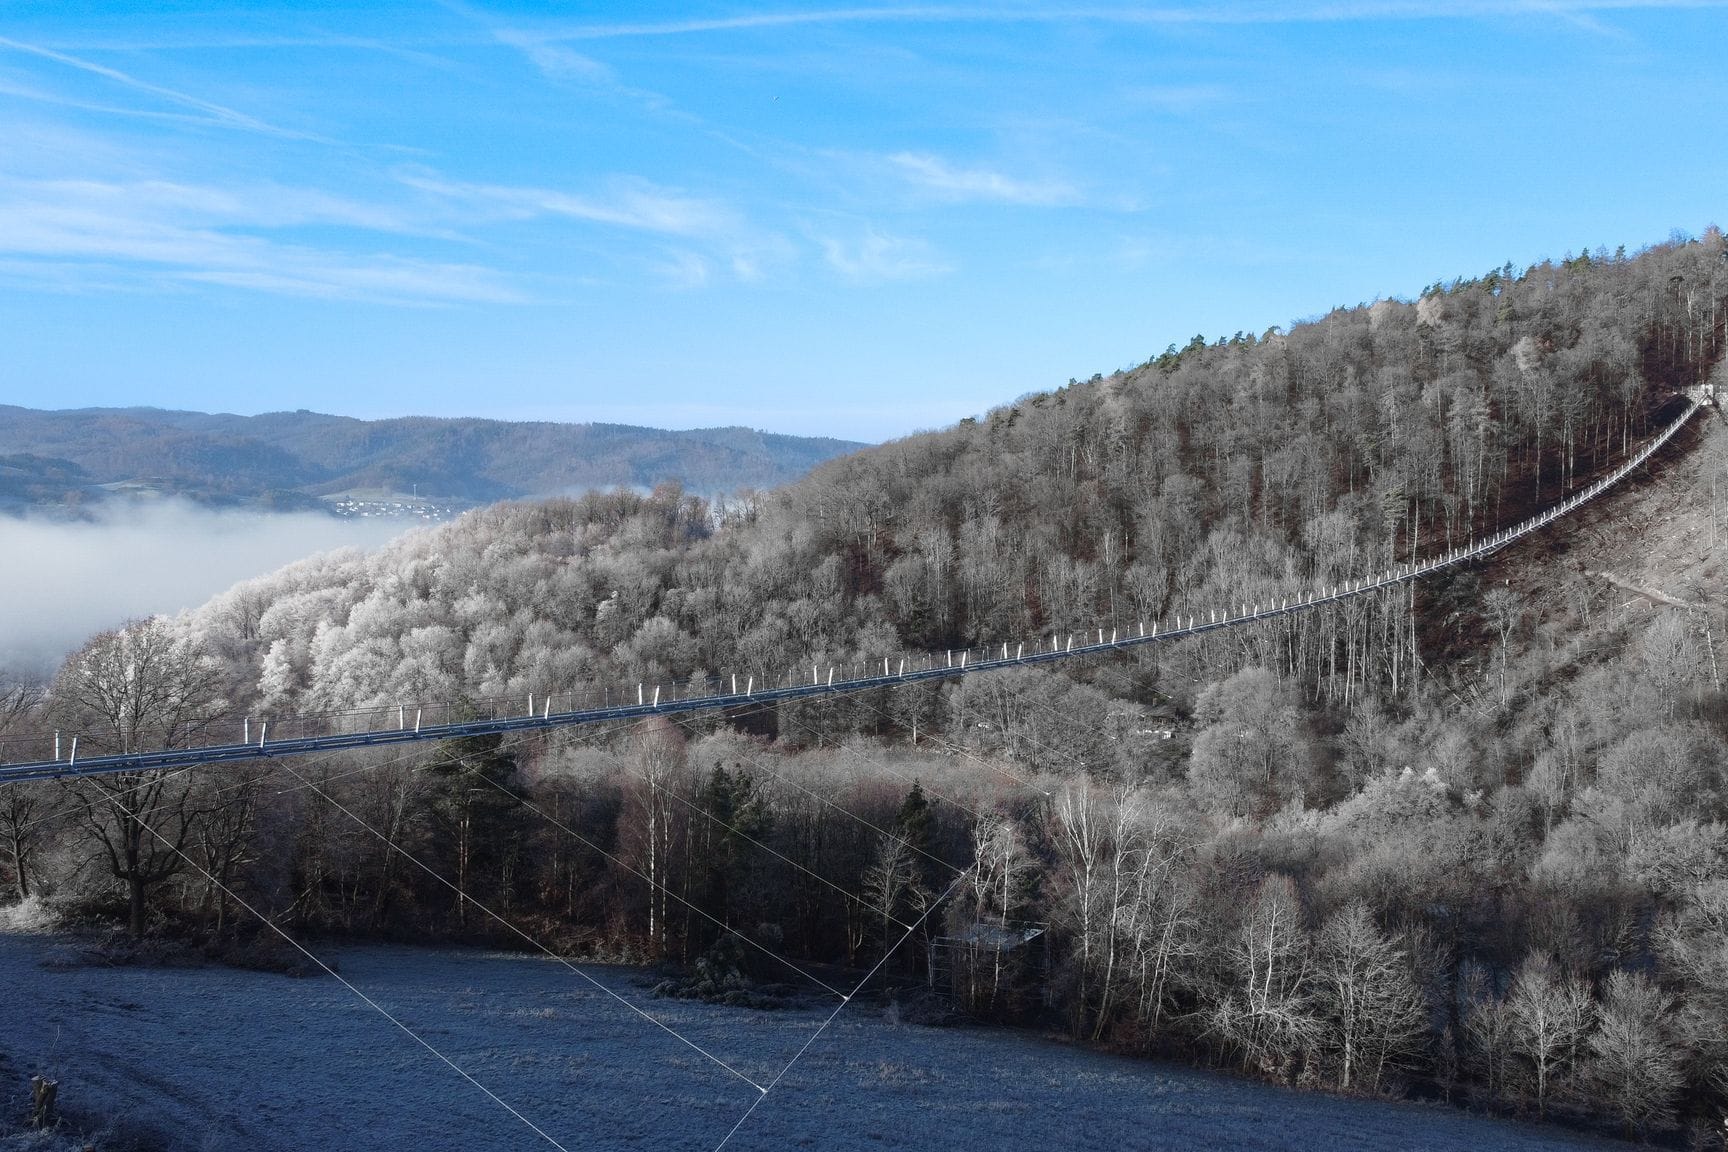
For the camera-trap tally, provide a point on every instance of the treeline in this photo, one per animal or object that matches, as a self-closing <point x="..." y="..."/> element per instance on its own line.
<point x="1240" y="472"/>
<point x="1554" y="944"/>
<point x="1470" y="842"/>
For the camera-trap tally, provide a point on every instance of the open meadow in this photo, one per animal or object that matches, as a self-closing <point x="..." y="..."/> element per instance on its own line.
<point x="214" y="1058"/>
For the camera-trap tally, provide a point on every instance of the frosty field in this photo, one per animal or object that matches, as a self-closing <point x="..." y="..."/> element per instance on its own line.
<point x="211" y="1059"/>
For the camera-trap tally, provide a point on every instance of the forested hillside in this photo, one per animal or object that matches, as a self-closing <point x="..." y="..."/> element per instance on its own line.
<point x="1468" y="841"/>
<point x="287" y="459"/>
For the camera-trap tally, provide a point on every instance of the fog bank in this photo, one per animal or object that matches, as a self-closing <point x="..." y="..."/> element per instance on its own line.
<point x="61" y="582"/>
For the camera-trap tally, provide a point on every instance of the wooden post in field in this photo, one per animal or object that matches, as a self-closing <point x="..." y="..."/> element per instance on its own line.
<point x="43" y="1093"/>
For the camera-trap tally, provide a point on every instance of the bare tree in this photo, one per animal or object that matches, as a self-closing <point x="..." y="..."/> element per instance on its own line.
<point x="1504" y="611"/>
<point x="650" y="821"/>
<point x="23" y="825"/>
<point x="1096" y="838"/>
<point x="1550" y="1014"/>
<point x="137" y="686"/>
<point x="1487" y="1029"/>
<point x="467" y="810"/>
<point x="1160" y="920"/>
<point x="1693" y="944"/>
<point x="16" y="702"/>
<point x="1374" y="1014"/>
<point x="126" y="690"/>
<point x="997" y="884"/>
<point x="1636" y="1067"/>
<point x="888" y="884"/>
<point x="224" y="840"/>
<point x="388" y="797"/>
<point x="1267" y="1011"/>
<point x="1253" y="754"/>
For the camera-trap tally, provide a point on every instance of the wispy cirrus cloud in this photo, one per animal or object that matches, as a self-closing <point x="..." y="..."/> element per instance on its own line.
<point x="681" y="269"/>
<point x="874" y="256"/>
<point x="624" y="203"/>
<point x="728" y="239"/>
<point x="566" y="66"/>
<point x="556" y="62"/>
<point x="206" y="110"/>
<point x="954" y="182"/>
<point x="1263" y="12"/>
<point x="83" y="234"/>
<point x="43" y="96"/>
<point x="127" y="233"/>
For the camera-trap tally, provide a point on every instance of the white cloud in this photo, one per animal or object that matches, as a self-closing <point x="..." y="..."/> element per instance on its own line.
<point x="1251" y="12"/>
<point x="41" y="96"/>
<point x="384" y="279"/>
<point x="879" y="256"/>
<point x="207" y="110"/>
<point x="83" y="228"/>
<point x="936" y="175"/>
<point x="559" y="62"/>
<point x="565" y="66"/>
<point x="682" y="270"/>
<point x="107" y="234"/>
<point x="629" y="204"/>
<point x="626" y="203"/>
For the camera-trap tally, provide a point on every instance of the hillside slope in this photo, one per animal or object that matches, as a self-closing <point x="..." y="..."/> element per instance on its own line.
<point x="1243" y="471"/>
<point x="287" y="459"/>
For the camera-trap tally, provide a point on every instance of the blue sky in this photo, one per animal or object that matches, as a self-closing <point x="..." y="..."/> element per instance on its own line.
<point x="854" y="221"/>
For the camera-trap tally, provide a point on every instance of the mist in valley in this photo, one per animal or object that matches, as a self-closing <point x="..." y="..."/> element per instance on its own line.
<point x="62" y="581"/>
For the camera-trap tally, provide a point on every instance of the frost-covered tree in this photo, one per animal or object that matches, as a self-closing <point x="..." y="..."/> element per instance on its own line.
<point x="1252" y="753"/>
<point x="1636" y="1064"/>
<point x="141" y="686"/>
<point x="988" y="913"/>
<point x="25" y="815"/>
<point x="1550" y="1014"/>
<point x="1374" y="1017"/>
<point x="1266" y="1011"/>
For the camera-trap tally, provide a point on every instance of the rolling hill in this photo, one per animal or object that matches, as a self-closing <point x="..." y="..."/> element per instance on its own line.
<point x="289" y="460"/>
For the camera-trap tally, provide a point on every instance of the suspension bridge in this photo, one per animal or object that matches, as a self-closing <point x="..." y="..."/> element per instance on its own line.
<point x="57" y="756"/>
<point x="371" y="728"/>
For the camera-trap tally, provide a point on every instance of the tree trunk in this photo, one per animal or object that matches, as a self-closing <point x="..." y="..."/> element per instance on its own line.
<point x="135" y="904"/>
<point x="20" y="880"/>
<point x="134" y="877"/>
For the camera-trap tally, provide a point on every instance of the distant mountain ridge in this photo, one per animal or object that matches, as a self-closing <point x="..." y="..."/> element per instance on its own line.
<point x="286" y="460"/>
